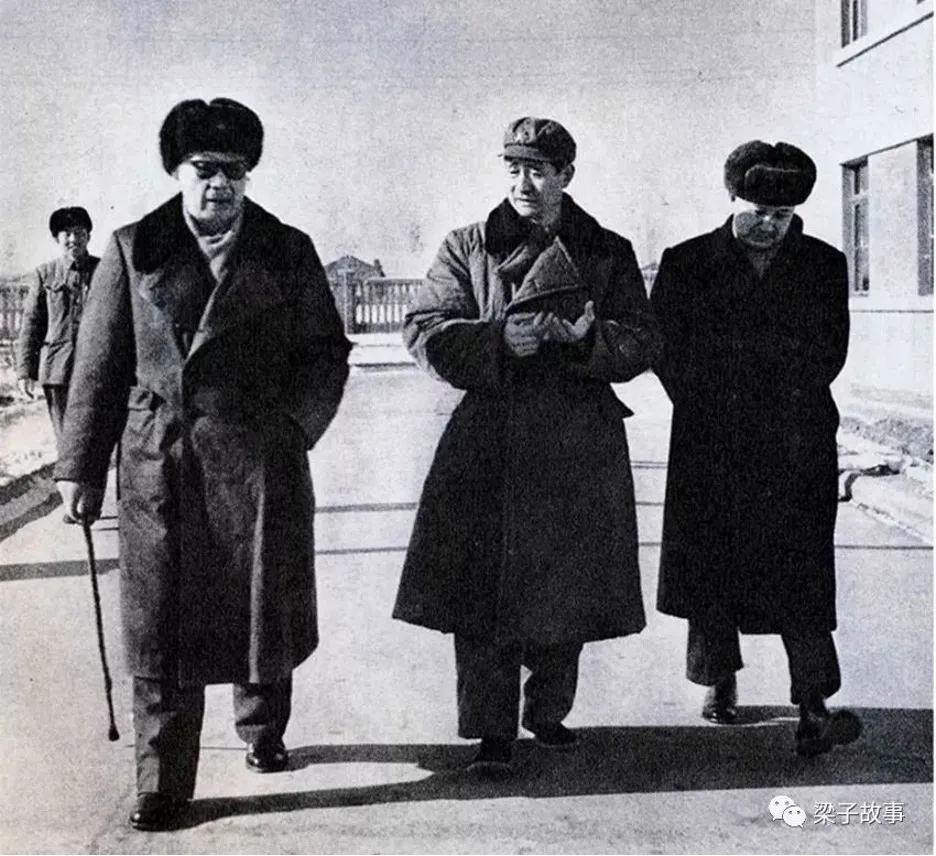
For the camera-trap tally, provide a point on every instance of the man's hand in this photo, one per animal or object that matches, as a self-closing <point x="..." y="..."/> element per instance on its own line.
<point x="82" y="501"/>
<point x="26" y="387"/>
<point x="523" y="333"/>
<point x="565" y="332"/>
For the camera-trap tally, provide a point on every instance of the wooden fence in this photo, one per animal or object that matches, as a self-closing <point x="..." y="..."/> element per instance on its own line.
<point x="12" y="298"/>
<point x="376" y="305"/>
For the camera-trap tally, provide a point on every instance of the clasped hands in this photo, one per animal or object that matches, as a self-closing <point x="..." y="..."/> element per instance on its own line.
<point x="524" y="332"/>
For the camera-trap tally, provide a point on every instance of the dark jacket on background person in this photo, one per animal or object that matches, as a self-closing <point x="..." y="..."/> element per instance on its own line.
<point x="752" y="492"/>
<point x="215" y="407"/>
<point x="526" y="529"/>
<point x="45" y="346"/>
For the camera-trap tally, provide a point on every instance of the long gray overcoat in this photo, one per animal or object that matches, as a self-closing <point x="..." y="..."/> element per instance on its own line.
<point x="215" y="411"/>
<point x="526" y="528"/>
<point x="751" y="492"/>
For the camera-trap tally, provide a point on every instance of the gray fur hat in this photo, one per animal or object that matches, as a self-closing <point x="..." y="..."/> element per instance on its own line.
<point x="764" y="174"/>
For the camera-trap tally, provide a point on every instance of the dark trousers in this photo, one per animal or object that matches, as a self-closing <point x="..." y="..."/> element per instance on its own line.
<point x="167" y="720"/>
<point x="714" y="652"/>
<point x="488" y="677"/>
<point x="56" y="396"/>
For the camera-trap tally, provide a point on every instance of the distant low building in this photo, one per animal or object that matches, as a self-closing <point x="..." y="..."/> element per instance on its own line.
<point x="349" y="269"/>
<point x="346" y="276"/>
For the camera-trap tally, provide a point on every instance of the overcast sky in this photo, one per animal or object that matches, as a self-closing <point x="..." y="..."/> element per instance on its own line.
<point x="384" y="119"/>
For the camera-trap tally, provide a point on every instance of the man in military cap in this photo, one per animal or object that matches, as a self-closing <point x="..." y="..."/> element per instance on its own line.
<point x="755" y="325"/>
<point x="211" y="347"/>
<point x="525" y="540"/>
<point x="46" y="343"/>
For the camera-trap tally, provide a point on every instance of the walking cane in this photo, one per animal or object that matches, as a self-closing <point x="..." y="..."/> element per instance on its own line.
<point x="112" y="733"/>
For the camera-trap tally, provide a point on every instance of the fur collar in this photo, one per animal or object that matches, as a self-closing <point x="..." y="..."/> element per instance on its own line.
<point x="505" y="230"/>
<point x="162" y="233"/>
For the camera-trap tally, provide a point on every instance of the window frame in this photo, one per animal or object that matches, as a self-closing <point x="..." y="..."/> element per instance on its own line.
<point x="925" y="216"/>
<point x="854" y="20"/>
<point x="856" y="202"/>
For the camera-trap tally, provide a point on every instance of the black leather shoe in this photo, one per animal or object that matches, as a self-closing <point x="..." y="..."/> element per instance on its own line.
<point x="156" y="812"/>
<point x="493" y="758"/>
<point x="819" y="731"/>
<point x="721" y="702"/>
<point x="267" y="757"/>
<point x="555" y="736"/>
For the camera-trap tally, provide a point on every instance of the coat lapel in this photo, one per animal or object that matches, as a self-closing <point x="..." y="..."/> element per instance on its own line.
<point x="734" y="276"/>
<point x="254" y="282"/>
<point x="250" y="289"/>
<point x="553" y="272"/>
<point x="172" y="276"/>
<point x="541" y="268"/>
<point x="172" y="271"/>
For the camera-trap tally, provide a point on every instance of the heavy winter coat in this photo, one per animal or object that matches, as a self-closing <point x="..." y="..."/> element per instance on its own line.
<point x="751" y="492"/>
<point x="45" y="347"/>
<point x="215" y="411"/>
<point x="526" y="529"/>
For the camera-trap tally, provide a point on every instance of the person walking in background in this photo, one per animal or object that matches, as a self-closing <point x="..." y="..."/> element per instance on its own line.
<point x="525" y="540"/>
<point x="211" y="347"/>
<point x="45" y="346"/>
<point x="755" y="326"/>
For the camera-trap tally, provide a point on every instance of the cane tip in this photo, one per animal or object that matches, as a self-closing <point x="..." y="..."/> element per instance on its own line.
<point x="113" y="735"/>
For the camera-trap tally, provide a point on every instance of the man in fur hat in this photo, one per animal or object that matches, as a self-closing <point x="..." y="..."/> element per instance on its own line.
<point x="46" y="343"/>
<point x="525" y="541"/>
<point x="212" y="349"/>
<point x="755" y="325"/>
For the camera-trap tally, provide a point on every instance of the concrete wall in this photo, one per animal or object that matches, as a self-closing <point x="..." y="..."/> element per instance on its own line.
<point x="875" y="101"/>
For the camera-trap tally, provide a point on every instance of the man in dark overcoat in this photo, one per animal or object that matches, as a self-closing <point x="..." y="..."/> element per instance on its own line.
<point x="45" y="346"/>
<point x="755" y="325"/>
<point x="525" y="540"/>
<point x="212" y="349"/>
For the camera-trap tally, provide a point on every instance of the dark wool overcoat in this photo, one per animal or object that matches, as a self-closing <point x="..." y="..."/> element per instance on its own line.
<point x="526" y="529"/>
<point x="215" y="406"/>
<point x="45" y="347"/>
<point x="751" y="492"/>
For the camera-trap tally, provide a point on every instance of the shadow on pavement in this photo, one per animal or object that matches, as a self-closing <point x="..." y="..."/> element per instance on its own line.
<point x="50" y="570"/>
<point x="896" y="747"/>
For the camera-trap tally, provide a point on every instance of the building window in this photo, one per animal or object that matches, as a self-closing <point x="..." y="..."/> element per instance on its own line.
<point x="925" y="219"/>
<point x="854" y="20"/>
<point x="857" y="228"/>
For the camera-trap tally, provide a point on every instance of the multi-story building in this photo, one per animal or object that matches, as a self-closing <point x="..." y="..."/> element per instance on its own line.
<point x="874" y="148"/>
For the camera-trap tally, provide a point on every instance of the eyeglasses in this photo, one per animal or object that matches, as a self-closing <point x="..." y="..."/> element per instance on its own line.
<point x="234" y="170"/>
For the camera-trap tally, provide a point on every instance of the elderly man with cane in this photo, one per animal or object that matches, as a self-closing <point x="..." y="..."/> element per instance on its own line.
<point x="755" y="326"/>
<point x="212" y="350"/>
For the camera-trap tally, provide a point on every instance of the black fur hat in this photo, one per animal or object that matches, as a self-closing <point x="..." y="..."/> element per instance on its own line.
<point x="770" y="175"/>
<point x="221" y="126"/>
<point x="63" y="219"/>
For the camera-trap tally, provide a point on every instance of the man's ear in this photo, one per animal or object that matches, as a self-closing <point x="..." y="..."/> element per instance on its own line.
<point x="567" y="172"/>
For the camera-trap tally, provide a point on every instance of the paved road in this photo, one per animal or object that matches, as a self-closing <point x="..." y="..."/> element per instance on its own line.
<point x="376" y="763"/>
